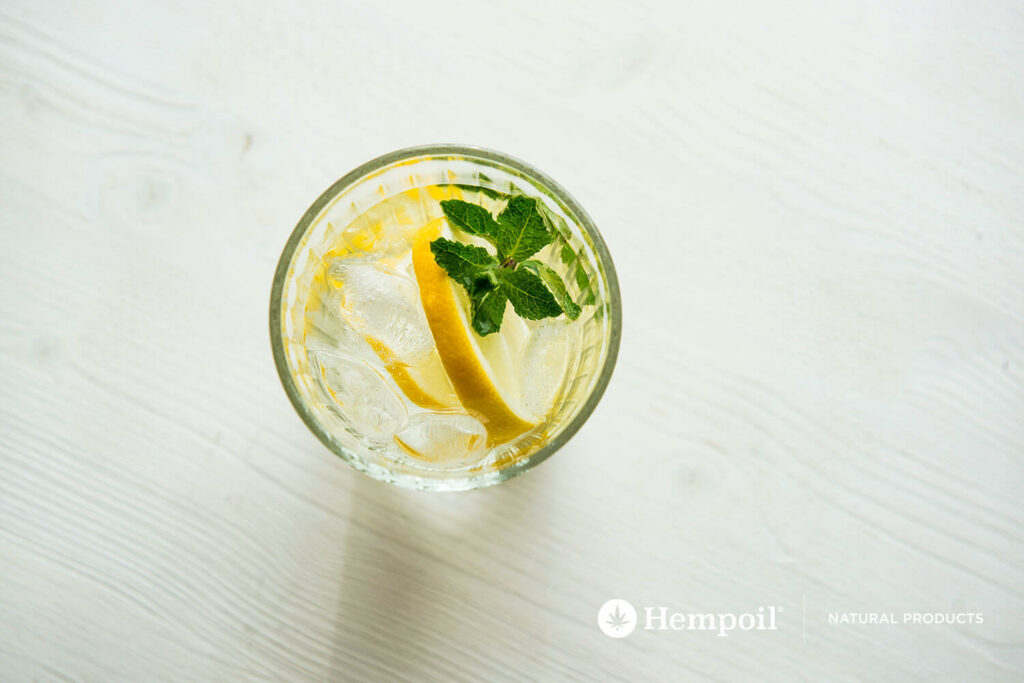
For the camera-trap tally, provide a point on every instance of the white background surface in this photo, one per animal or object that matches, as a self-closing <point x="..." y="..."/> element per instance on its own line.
<point x="817" y="216"/>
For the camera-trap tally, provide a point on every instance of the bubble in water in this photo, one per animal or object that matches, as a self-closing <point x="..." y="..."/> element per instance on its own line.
<point x="384" y="305"/>
<point x="361" y="395"/>
<point x="440" y="437"/>
<point x="545" y="361"/>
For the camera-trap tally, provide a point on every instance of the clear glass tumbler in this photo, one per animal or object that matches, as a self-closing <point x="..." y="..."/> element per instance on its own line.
<point x="418" y="167"/>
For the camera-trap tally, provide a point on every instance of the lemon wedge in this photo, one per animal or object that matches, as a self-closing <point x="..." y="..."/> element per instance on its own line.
<point x="425" y="383"/>
<point x="472" y="376"/>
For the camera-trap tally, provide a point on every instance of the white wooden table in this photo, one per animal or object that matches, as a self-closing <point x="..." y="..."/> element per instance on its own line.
<point x="817" y="215"/>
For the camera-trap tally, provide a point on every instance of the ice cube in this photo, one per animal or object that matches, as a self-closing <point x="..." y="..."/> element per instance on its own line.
<point x="360" y="394"/>
<point x="384" y="305"/>
<point x="327" y="330"/>
<point x="443" y="438"/>
<point x="400" y="262"/>
<point x="545" y="362"/>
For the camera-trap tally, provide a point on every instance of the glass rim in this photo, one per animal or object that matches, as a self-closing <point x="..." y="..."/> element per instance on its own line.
<point x="469" y="152"/>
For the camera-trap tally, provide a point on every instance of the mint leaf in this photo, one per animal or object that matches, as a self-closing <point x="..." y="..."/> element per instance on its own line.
<point x="488" y="310"/>
<point x="555" y="285"/>
<point x="555" y="222"/>
<point x="570" y="257"/>
<point x="475" y="269"/>
<point x="575" y="262"/>
<point x="586" y="286"/>
<point x="470" y="266"/>
<point x="529" y="297"/>
<point x="522" y="230"/>
<point x="471" y="218"/>
<point x="567" y="254"/>
<point x="524" y="227"/>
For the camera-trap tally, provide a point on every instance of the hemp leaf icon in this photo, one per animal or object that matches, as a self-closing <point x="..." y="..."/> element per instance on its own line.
<point x="617" y="619"/>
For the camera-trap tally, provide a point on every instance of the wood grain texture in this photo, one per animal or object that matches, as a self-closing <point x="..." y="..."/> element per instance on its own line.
<point x="816" y="214"/>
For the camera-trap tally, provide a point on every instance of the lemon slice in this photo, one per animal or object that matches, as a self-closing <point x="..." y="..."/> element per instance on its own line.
<point x="425" y="383"/>
<point x="459" y="348"/>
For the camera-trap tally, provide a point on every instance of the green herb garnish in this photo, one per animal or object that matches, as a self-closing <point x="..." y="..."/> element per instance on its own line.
<point x="521" y="230"/>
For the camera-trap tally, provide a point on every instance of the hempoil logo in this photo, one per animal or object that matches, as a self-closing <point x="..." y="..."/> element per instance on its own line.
<point x="659" y="619"/>
<point x="617" y="619"/>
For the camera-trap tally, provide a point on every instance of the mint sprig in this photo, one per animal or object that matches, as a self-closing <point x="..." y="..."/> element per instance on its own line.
<point x="492" y="280"/>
